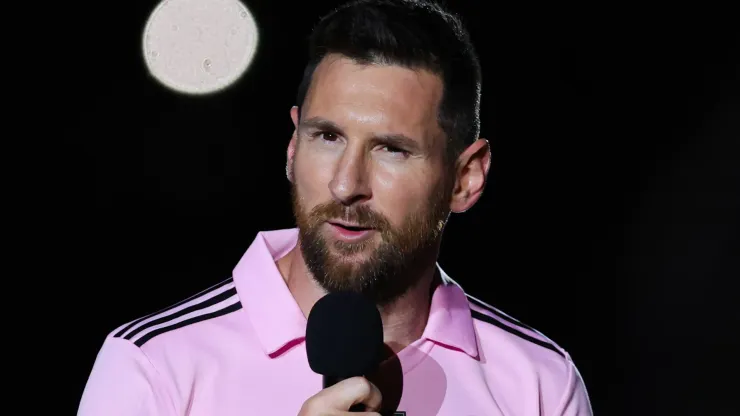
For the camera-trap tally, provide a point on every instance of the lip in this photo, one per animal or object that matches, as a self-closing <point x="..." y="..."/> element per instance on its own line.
<point x="346" y="224"/>
<point x="341" y="233"/>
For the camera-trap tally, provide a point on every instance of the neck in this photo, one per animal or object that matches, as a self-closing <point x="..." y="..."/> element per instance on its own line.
<point x="404" y="319"/>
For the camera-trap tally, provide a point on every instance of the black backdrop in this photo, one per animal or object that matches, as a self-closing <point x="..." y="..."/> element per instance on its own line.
<point x="610" y="222"/>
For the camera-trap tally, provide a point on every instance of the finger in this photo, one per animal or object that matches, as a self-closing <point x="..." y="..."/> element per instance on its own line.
<point x="356" y="390"/>
<point x="359" y="413"/>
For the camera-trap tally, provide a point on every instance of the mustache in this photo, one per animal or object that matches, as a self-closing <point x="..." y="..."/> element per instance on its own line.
<point x="361" y="215"/>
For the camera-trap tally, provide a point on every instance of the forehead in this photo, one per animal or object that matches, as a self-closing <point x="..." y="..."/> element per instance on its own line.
<point x="385" y="96"/>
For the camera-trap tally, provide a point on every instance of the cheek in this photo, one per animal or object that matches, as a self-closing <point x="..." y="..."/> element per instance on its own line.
<point x="398" y="195"/>
<point x="312" y="174"/>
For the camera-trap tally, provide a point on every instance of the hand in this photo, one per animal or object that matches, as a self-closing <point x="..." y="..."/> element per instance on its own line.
<point x="337" y="399"/>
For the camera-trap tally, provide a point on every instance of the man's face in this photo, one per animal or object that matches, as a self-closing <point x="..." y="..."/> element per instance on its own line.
<point x="370" y="187"/>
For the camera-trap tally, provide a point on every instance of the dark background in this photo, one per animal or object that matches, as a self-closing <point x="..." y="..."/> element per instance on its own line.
<point x="610" y="222"/>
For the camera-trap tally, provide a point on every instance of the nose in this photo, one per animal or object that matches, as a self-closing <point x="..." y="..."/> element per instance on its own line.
<point x="350" y="183"/>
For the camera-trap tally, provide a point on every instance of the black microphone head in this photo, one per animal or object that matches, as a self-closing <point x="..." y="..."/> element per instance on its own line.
<point x="344" y="336"/>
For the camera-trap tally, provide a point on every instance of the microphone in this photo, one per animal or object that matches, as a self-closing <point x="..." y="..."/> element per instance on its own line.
<point x="344" y="337"/>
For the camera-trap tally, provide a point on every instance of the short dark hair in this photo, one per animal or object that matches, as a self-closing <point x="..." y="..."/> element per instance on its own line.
<point x="416" y="34"/>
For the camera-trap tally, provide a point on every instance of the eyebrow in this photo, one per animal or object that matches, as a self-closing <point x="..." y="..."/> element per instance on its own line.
<point x="392" y="139"/>
<point x="318" y="123"/>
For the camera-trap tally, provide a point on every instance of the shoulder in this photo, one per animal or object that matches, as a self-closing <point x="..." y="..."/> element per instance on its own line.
<point x="523" y="367"/>
<point x="141" y="362"/>
<point x="519" y="352"/>
<point x="502" y="337"/>
<point x="495" y="323"/>
<point x="202" y="308"/>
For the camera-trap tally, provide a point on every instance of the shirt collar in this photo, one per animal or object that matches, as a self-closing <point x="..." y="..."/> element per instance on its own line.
<point x="274" y="313"/>
<point x="450" y="323"/>
<point x="279" y="322"/>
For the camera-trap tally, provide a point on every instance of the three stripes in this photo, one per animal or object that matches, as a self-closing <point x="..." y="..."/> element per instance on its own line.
<point x="215" y="301"/>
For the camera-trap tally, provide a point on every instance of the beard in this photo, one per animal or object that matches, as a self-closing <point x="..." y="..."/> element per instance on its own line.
<point x="391" y="266"/>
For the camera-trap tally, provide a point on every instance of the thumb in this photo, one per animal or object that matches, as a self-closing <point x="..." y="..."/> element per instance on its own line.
<point x="352" y="391"/>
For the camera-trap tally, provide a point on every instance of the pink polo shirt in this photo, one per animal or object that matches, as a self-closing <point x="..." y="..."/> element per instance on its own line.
<point x="238" y="349"/>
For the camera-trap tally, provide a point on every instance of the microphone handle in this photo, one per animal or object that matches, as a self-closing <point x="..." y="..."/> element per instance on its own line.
<point x="332" y="380"/>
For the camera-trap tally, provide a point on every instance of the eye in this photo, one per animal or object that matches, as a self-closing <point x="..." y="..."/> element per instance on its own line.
<point x="395" y="150"/>
<point x="327" y="136"/>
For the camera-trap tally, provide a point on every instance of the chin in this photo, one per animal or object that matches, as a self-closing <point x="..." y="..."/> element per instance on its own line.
<point x="344" y="255"/>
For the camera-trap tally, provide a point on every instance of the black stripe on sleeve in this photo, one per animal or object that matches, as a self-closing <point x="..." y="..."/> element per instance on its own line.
<point x="501" y="315"/>
<point x="232" y="308"/>
<point x="136" y="322"/>
<point x="192" y="308"/>
<point x="493" y="321"/>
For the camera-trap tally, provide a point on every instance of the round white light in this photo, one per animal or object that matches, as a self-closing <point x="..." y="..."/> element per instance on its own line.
<point x="199" y="46"/>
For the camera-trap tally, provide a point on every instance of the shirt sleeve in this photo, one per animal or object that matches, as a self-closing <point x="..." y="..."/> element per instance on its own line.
<point x="575" y="400"/>
<point x="123" y="382"/>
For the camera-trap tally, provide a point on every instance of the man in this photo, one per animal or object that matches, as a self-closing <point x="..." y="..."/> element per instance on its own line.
<point x="385" y="147"/>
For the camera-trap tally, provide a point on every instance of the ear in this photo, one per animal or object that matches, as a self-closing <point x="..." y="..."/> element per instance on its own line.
<point x="292" y="144"/>
<point x="471" y="173"/>
<point x="294" y="116"/>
